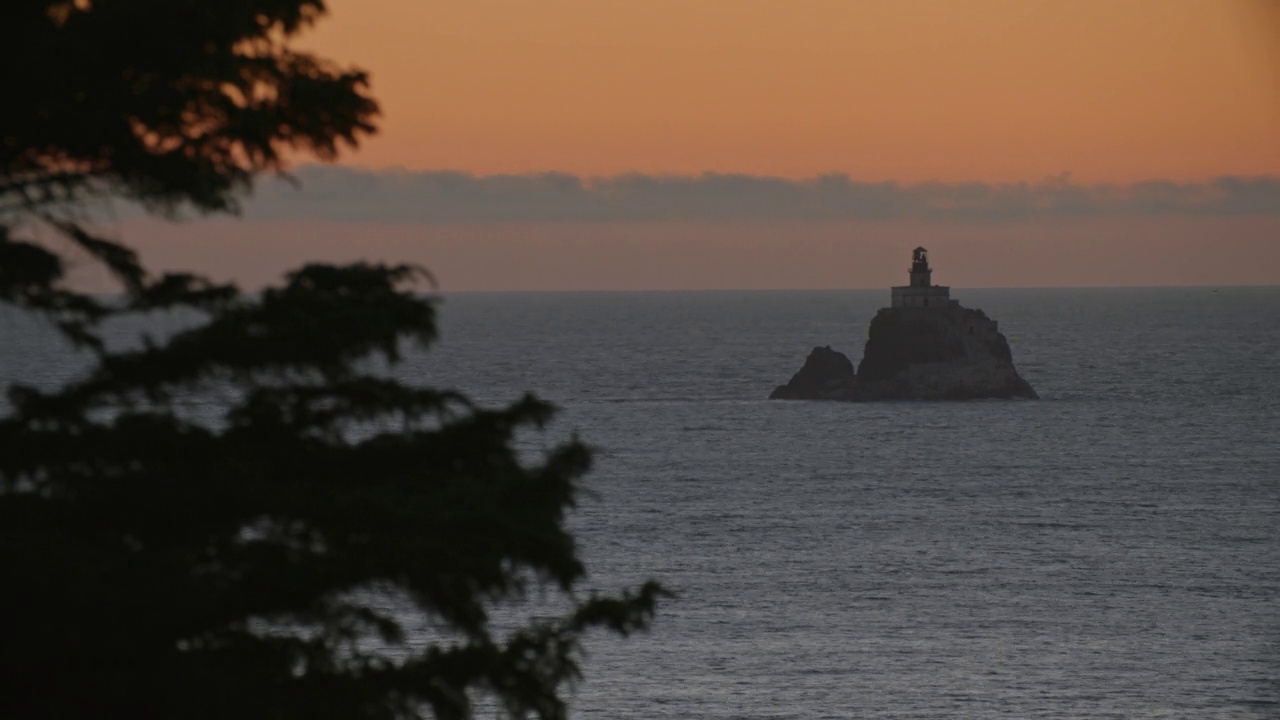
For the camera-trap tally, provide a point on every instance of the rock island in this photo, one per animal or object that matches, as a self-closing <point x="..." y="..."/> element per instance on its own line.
<point x="925" y="346"/>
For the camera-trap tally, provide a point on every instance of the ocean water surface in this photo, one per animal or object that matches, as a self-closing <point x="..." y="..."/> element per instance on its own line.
<point x="1109" y="551"/>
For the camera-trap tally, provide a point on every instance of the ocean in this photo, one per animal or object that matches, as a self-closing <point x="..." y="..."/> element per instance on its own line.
<point x="1109" y="551"/>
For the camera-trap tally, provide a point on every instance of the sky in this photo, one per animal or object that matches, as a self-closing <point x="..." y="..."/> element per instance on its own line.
<point x="687" y="144"/>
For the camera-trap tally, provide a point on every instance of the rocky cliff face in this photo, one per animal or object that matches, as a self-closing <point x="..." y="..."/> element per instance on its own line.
<point x="950" y="353"/>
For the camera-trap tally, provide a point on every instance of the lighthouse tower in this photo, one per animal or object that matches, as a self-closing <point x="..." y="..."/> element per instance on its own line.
<point x="921" y="293"/>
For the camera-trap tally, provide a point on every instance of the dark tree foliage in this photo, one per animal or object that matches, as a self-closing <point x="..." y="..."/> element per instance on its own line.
<point x="262" y="563"/>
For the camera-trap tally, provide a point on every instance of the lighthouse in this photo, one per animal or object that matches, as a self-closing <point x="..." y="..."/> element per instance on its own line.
<point x="921" y="293"/>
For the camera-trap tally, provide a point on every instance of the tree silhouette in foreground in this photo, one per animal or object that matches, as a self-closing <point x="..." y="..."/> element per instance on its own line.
<point x="263" y="563"/>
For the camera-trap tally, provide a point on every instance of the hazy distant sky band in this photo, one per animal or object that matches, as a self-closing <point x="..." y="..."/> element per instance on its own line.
<point x="343" y="194"/>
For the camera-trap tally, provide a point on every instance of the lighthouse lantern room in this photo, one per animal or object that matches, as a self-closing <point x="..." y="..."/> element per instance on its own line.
<point x="921" y="292"/>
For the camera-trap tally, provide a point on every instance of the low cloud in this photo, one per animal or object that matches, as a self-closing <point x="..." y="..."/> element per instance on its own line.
<point x="343" y="194"/>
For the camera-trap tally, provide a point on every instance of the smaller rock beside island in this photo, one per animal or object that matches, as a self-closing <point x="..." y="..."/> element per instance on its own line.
<point x="826" y="374"/>
<point x="925" y="347"/>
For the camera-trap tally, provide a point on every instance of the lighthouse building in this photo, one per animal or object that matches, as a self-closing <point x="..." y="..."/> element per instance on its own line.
<point x="921" y="292"/>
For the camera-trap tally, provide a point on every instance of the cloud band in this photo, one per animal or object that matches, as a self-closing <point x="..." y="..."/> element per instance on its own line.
<point x="343" y="194"/>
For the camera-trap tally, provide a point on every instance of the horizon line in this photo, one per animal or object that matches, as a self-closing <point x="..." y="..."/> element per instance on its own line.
<point x="637" y="291"/>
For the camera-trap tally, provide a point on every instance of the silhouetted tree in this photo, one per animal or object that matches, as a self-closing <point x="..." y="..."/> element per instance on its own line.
<point x="262" y="563"/>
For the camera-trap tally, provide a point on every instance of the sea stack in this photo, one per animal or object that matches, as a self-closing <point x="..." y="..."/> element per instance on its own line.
<point x="925" y="346"/>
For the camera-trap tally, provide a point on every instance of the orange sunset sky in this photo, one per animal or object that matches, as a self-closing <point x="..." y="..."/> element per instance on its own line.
<point x="909" y="90"/>
<point x="983" y="93"/>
